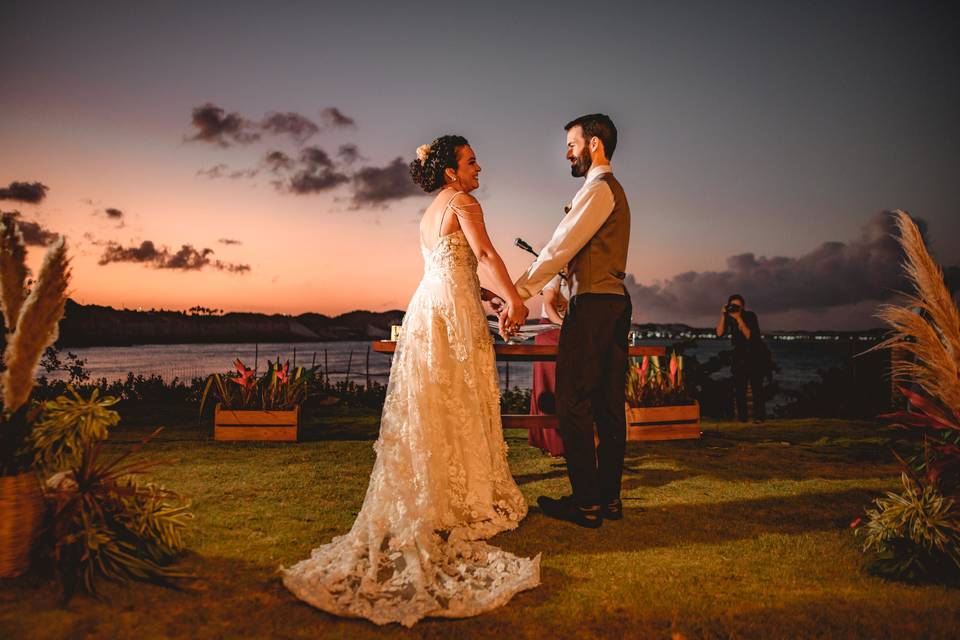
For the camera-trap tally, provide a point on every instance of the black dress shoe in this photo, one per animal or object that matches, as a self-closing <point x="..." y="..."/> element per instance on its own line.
<point x="613" y="510"/>
<point x="566" y="509"/>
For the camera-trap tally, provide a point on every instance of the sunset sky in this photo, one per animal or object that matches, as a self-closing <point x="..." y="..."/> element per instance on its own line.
<point x="760" y="143"/>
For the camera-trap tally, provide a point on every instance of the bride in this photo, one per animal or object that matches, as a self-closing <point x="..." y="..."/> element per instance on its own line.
<point x="440" y="484"/>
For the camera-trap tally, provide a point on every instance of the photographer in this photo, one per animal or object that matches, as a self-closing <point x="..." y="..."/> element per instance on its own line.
<point x="749" y="361"/>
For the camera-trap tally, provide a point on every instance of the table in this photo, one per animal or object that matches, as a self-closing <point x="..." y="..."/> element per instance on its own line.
<point x="528" y="353"/>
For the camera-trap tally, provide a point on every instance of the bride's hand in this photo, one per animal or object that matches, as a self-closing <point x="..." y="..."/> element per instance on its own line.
<point x="497" y="304"/>
<point x="516" y="315"/>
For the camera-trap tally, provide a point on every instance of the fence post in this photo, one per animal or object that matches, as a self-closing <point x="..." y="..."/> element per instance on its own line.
<point x="368" y="366"/>
<point x="349" y="362"/>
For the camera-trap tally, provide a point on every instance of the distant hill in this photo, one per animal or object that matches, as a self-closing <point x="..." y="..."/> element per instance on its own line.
<point x="95" y="325"/>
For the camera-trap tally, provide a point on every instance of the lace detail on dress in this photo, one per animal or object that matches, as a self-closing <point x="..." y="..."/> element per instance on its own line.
<point x="440" y="483"/>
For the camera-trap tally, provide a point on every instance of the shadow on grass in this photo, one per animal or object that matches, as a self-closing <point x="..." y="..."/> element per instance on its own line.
<point x="651" y="526"/>
<point x="847" y="458"/>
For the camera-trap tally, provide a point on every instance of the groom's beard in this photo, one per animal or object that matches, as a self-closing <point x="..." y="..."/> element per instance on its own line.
<point x="582" y="164"/>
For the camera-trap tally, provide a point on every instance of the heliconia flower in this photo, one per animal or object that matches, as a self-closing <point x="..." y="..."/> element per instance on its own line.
<point x="245" y="379"/>
<point x="674" y="366"/>
<point x="283" y="374"/>
<point x="644" y="369"/>
<point x="856" y="523"/>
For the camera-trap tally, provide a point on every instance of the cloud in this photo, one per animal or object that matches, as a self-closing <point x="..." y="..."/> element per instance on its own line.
<point x="380" y="185"/>
<point x="298" y="127"/>
<point x="835" y="274"/>
<point x="186" y="259"/>
<point x="278" y="161"/>
<point x="229" y="241"/>
<point x="215" y="126"/>
<point x="316" y="174"/>
<point x="34" y="234"/>
<point x="29" y="192"/>
<point x="333" y="117"/>
<point x="223" y="171"/>
<point x="315" y="157"/>
<point x="349" y="153"/>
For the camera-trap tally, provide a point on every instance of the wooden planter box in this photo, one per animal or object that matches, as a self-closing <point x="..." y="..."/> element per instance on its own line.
<point x="680" y="422"/>
<point x="244" y="424"/>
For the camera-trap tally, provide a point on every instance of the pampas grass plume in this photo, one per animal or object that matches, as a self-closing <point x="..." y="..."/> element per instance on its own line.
<point x="13" y="272"/>
<point x="36" y="327"/>
<point x="927" y="326"/>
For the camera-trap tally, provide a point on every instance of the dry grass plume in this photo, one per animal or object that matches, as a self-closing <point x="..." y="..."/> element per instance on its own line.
<point x="927" y="326"/>
<point x="36" y="326"/>
<point x="13" y="272"/>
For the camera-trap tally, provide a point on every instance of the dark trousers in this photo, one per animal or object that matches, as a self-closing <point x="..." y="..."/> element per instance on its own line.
<point x="751" y="373"/>
<point x="591" y="376"/>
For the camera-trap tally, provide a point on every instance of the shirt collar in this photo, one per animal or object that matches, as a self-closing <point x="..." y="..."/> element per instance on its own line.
<point x="597" y="170"/>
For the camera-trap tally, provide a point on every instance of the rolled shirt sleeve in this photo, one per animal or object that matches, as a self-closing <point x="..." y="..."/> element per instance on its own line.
<point x="590" y="208"/>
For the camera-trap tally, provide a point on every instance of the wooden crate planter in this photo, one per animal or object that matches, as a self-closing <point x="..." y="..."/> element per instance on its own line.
<point x="680" y="422"/>
<point x="244" y="424"/>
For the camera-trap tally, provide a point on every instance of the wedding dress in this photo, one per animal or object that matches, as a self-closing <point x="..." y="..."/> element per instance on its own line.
<point x="440" y="483"/>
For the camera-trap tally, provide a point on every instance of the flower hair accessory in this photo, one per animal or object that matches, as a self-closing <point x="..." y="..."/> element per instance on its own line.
<point x="423" y="152"/>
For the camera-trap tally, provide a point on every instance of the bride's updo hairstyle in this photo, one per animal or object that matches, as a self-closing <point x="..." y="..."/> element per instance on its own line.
<point x="433" y="159"/>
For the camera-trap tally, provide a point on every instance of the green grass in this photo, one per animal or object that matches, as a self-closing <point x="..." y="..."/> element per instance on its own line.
<point x="741" y="534"/>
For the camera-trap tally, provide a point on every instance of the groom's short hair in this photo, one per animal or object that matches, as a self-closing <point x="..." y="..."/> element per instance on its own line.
<point x="599" y="125"/>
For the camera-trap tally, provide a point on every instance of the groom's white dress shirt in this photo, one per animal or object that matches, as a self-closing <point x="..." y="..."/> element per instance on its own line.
<point x="590" y="208"/>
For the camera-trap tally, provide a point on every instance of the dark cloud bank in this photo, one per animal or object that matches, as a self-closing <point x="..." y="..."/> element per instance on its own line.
<point x="837" y="282"/>
<point x="186" y="259"/>
<point x="313" y="170"/>
<point x="214" y="125"/>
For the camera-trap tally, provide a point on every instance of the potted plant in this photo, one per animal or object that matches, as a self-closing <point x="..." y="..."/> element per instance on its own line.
<point x="659" y="405"/>
<point x="32" y="317"/>
<point x="264" y="408"/>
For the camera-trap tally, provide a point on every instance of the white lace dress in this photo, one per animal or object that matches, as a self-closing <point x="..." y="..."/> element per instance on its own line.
<point x="440" y="483"/>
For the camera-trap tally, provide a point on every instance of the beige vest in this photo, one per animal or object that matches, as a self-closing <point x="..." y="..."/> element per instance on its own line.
<point x="599" y="267"/>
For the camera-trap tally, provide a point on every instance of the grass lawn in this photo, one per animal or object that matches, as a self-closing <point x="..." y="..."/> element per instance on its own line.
<point x="741" y="534"/>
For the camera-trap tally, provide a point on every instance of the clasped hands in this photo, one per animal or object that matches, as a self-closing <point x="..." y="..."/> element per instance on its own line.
<point x="511" y="316"/>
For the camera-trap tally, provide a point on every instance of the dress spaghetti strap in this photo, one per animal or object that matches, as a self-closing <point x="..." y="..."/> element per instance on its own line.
<point x="444" y="213"/>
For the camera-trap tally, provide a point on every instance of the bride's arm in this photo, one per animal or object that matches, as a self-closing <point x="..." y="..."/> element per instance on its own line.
<point x="470" y="216"/>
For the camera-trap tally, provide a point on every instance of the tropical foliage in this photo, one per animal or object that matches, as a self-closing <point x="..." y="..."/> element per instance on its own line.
<point x="106" y="523"/>
<point x="913" y="534"/>
<point x="652" y="384"/>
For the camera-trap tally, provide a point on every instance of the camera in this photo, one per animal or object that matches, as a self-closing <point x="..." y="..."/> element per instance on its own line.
<point x="733" y="308"/>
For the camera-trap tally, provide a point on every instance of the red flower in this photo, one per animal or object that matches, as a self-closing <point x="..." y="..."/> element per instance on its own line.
<point x="856" y="523"/>
<point x="246" y="379"/>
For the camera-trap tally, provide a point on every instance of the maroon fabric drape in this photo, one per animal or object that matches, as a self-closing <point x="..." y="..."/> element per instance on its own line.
<point x="543" y="399"/>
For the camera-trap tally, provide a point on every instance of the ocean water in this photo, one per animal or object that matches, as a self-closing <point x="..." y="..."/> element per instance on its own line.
<point x="799" y="361"/>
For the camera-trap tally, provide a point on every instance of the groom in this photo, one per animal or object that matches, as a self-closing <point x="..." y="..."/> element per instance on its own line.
<point x="591" y="243"/>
